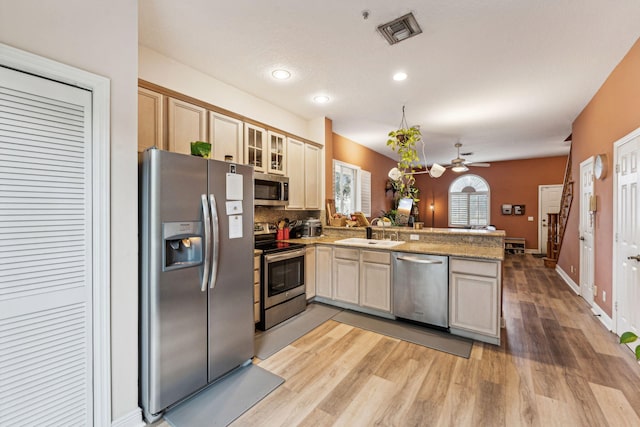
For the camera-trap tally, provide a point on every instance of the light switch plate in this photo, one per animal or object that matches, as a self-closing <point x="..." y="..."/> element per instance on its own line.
<point x="530" y="219"/>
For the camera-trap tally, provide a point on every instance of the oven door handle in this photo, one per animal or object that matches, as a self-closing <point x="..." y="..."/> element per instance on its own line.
<point x="215" y="242"/>
<point x="206" y="218"/>
<point x="280" y="256"/>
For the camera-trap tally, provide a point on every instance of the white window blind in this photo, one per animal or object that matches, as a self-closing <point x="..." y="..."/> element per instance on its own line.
<point x="365" y="193"/>
<point x="469" y="202"/>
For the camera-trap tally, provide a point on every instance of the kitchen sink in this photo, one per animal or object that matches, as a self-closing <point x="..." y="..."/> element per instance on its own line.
<point x="358" y="241"/>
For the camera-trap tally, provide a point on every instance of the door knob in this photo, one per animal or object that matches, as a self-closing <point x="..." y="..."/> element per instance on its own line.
<point x="581" y="237"/>
<point x="636" y="258"/>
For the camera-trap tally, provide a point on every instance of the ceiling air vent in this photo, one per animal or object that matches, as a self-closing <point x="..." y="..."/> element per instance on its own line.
<point x="400" y="29"/>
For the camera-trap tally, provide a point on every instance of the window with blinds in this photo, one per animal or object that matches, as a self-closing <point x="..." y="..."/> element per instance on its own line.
<point x="469" y="202"/>
<point x="351" y="188"/>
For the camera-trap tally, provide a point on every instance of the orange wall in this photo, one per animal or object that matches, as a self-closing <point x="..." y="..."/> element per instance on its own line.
<point x="512" y="182"/>
<point x="348" y="151"/>
<point x="613" y="113"/>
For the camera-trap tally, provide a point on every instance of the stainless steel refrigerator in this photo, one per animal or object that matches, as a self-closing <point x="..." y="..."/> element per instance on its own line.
<point x="196" y="274"/>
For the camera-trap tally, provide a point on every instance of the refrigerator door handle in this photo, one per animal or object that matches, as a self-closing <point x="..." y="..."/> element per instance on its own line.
<point x="206" y="218"/>
<point x="216" y="242"/>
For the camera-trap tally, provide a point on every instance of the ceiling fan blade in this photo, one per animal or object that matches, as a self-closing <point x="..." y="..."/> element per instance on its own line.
<point x="479" y="164"/>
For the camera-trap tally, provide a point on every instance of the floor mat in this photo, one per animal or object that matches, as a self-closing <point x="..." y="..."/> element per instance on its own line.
<point x="269" y="342"/>
<point x="225" y="400"/>
<point x="407" y="332"/>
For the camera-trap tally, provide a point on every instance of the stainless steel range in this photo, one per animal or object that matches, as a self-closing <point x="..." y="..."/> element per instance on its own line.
<point x="282" y="287"/>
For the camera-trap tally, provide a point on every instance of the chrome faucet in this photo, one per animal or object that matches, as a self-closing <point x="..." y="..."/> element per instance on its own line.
<point x="394" y="235"/>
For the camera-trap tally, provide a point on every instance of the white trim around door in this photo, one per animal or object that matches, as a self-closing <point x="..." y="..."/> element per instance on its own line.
<point x="549" y="199"/>
<point x="587" y="219"/>
<point x="100" y="163"/>
<point x="626" y="234"/>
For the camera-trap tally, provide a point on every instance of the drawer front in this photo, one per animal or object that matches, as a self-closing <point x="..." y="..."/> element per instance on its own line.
<point x="377" y="257"/>
<point x="346" y="253"/>
<point x="256" y="262"/>
<point x="478" y="268"/>
<point x="256" y="276"/>
<point x="256" y="293"/>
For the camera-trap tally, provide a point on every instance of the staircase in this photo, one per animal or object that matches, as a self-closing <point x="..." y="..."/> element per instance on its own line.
<point x="558" y="221"/>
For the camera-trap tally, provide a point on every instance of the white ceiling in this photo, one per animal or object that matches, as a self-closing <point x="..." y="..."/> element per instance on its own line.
<point x="505" y="77"/>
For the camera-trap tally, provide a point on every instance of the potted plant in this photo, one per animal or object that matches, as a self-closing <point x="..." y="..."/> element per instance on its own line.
<point x="629" y="337"/>
<point x="403" y="141"/>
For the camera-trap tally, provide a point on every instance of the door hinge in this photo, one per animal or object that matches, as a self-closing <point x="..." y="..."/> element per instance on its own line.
<point x="617" y="167"/>
<point x="616" y="306"/>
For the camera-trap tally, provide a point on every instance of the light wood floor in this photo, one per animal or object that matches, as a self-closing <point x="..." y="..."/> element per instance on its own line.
<point x="557" y="366"/>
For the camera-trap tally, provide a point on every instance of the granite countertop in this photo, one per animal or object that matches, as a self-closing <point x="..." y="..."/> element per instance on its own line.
<point x="426" y="231"/>
<point x="421" y="247"/>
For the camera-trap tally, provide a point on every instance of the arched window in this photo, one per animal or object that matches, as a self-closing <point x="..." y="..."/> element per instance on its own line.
<point x="469" y="202"/>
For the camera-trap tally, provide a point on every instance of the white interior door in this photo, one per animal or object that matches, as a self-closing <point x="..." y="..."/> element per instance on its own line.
<point x="627" y="236"/>
<point x="586" y="231"/>
<point x="46" y="374"/>
<point x="549" y="197"/>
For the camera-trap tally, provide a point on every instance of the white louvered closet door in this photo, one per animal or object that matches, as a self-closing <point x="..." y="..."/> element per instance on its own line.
<point x="45" y="252"/>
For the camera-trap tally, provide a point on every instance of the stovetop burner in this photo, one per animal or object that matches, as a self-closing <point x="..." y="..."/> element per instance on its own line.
<point x="265" y="239"/>
<point x="276" y="246"/>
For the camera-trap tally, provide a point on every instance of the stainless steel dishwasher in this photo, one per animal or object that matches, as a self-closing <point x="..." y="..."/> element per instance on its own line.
<point x="421" y="288"/>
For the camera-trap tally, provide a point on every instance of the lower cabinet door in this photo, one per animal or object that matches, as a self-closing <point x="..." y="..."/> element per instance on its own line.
<point x="345" y="280"/>
<point x="324" y="255"/>
<point x="375" y="286"/>
<point x="474" y="303"/>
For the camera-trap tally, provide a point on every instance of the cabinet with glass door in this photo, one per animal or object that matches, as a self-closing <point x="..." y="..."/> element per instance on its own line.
<point x="255" y="146"/>
<point x="276" y="152"/>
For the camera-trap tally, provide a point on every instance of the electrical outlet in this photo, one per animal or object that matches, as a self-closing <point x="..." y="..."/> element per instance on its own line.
<point x="595" y="290"/>
<point x="530" y="219"/>
<point x="571" y="268"/>
<point x="414" y="237"/>
<point x="604" y="296"/>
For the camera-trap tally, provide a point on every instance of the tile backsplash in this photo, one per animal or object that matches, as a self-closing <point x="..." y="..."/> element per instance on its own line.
<point x="273" y="215"/>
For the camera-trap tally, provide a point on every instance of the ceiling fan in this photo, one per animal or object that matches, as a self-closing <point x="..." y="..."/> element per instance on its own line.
<point x="460" y="165"/>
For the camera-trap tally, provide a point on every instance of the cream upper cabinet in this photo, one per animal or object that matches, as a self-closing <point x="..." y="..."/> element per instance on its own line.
<point x="304" y="172"/>
<point x="346" y="275"/>
<point x="187" y="123"/>
<point x="375" y="280"/>
<point x="296" y="173"/>
<point x="150" y="119"/>
<point x="324" y="268"/>
<point x="313" y="176"/>
<point x="310" y="271"/>
<point x="276" y="153"/>
<point x="474" y="299"/>
<point x="255" y="146"/>
<point x="227" y="138"/>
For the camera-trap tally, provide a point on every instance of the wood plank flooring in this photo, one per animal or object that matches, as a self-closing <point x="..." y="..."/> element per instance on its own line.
<point x="557" y="366"/>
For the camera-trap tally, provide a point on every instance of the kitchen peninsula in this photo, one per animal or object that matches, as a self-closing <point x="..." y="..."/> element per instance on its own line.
<point x="347" y="271"/>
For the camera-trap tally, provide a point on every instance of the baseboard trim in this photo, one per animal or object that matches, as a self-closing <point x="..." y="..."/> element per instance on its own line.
<point x="573" y="285"/>
<point x="132" y="419"/>
<point x="602" y="316"/>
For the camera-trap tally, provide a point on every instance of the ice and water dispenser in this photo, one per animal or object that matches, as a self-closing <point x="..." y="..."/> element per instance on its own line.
<point x="182" y="244"/>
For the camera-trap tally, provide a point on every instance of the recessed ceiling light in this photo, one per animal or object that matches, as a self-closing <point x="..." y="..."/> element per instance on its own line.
<point x="399" y="76"/>
<point x="321" y="99"/>
<point x="281" y="74"/>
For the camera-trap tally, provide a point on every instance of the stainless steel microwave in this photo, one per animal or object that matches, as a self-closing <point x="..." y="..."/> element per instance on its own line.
<point x="270" y="190"/>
